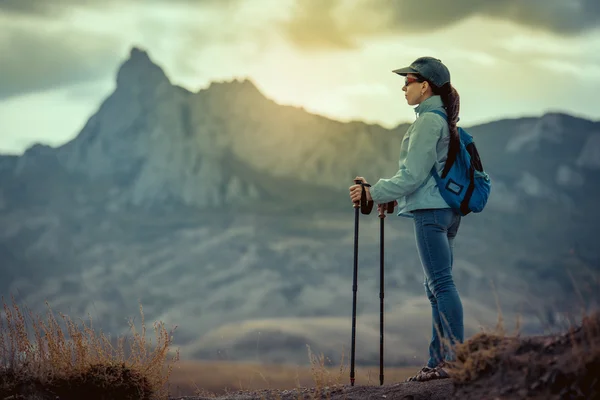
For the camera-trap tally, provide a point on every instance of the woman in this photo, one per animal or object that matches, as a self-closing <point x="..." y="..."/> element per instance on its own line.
<point x="428" y="143"/>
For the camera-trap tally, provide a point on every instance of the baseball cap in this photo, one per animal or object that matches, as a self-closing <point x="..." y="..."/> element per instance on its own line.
<point x="429" y="68"/>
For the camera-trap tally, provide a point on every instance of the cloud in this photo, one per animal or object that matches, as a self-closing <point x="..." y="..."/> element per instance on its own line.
<point x="343" y="23"/>
<point x="45" y="7"/>
<point x="331" y="24"/>
<point x="57" y="7"/>
<point x="559" y="16"/>
<point x="585" y="71"/>
<point x="27" y="7"/>
<point x="587" y="47"/>
<point x="34" y="61"/>
<point x="52" y="117"/>
<point x="314" y="26"/>
<point x="49" y="45"/>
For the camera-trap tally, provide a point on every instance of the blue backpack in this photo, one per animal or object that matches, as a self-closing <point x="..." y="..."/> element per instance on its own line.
<point x="464" y="184"/>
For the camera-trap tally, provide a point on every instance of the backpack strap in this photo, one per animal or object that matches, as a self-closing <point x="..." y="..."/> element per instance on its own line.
<point x="450" y="158"/>
<point x="438" y="112"/>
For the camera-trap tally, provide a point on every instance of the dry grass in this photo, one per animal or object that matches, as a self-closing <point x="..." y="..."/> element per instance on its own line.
<point x="550" y="365"/>
<point x="481" y="353"/>
<point x="558" y="366"/>
<point x="324" y="376"/>
<point x="44" y="358"/>
<point x="49" y="357"/>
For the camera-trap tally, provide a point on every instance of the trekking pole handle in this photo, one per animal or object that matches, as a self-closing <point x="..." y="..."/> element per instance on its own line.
<point x="365" y="205"/>
<point x="389" y="208"/>
<point x="357" y="203"/>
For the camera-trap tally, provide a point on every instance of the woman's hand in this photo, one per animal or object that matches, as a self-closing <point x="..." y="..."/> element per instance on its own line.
<point x="356" y="191"/>
<point x="360" y="178"/>
<point x="379" y="206"/>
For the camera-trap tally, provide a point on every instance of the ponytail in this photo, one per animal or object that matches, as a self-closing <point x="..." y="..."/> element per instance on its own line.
<point x="451" y="100"/>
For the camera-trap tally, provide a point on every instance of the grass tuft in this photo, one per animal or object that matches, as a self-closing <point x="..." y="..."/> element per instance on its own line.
<point x="42" y="358"/>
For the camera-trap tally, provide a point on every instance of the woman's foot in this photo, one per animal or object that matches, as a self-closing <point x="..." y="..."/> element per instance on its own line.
<point x="421" y="372"/>
<point x="427" y="374"/>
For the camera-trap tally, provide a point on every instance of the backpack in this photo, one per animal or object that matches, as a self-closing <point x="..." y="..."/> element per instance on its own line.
<point x="464" y="184"/>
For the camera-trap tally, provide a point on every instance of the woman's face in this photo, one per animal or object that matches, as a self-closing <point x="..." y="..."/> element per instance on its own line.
<point x="412" y="90"/>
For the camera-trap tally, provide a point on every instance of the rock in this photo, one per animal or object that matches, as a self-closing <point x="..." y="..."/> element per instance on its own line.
<point x="549" y="128"/>
<point x="567" y="176"/>
<point x="590" y="154"/>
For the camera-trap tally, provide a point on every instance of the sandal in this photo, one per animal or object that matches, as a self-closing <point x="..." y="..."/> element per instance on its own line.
<point x="423" y="370"/>
<point x="427" y="374"/>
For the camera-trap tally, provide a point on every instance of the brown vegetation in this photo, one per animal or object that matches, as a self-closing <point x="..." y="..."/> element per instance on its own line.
<point x="74" y="362"/>
<point x="548" y="367"/>
<point x="44" y="360"/>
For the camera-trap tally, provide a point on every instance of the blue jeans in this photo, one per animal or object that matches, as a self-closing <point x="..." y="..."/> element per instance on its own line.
<point x="435" y="230"/>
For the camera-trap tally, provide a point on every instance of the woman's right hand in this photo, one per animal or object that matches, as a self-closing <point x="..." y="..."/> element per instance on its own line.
<point x="385" y="205"/>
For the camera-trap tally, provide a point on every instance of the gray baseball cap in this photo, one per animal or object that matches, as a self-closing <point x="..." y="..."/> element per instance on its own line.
<point x="429" y="68"/>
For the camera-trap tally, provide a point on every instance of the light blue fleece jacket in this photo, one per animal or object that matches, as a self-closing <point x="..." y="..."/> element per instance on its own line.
<point x="424" y="145"/>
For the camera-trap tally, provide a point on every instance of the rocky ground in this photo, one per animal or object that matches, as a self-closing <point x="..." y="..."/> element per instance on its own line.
<point x="489" y="366"/>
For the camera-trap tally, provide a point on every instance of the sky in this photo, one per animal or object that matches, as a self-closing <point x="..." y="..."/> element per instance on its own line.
<point x="507" y="58"/>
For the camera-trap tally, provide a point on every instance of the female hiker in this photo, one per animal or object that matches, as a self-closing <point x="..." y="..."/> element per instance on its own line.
<point x="428" y="142"/>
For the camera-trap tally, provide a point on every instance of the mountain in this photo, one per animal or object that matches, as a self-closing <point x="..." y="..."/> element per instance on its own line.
<point x="228" y="214"/>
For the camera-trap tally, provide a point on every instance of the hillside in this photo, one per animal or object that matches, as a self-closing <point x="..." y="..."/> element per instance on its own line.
<point x="227" y="214"/>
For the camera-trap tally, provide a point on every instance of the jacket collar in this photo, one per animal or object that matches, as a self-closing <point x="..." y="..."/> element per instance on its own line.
<point x="432" y="103"/>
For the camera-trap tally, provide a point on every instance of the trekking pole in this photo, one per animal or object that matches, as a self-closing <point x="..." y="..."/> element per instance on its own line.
<point x="389" y="208"/>
<point x="365" y="208"/>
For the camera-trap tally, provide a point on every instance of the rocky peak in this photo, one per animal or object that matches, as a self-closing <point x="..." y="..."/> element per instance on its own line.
<point x="157" y="143"/>
<point x="236" y="95"/>
<point x="240" y="86"/>
<point x="39" y="149"/>
<point x="139" y="71"/>
<point x="38" y="156"/>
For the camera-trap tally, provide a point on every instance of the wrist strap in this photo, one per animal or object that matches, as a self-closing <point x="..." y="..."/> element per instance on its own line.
<point x="365" y="205"/>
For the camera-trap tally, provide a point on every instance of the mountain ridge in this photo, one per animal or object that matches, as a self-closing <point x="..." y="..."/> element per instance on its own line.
<point x="222" y="206"/>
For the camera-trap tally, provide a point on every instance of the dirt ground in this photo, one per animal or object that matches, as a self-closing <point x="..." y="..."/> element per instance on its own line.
<point x="488" y="366"/>
<point x="433" y="390"/>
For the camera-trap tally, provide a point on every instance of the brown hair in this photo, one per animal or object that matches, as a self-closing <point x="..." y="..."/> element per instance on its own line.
<point x="451" y="100"/>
